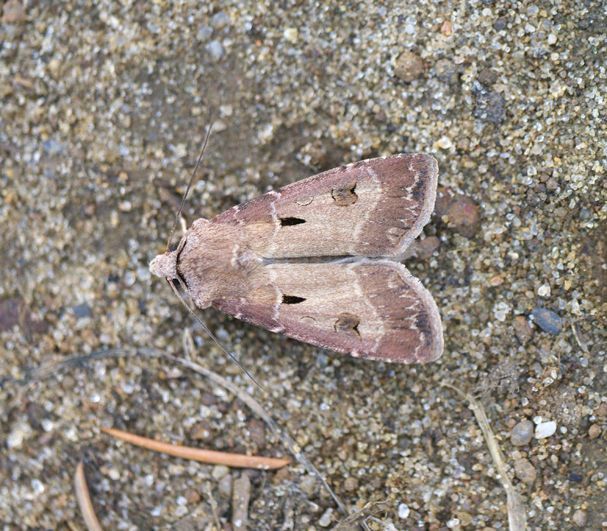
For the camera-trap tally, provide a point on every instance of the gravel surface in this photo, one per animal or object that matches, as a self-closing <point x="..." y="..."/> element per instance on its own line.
<point x="103" y="109"/>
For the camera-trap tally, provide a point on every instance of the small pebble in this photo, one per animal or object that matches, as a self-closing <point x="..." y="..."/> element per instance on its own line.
<point x="500" y="24"/>
<point x="522" y="329"/>
<point x="425" y="248"/>
<point x="82" y="311"/>
<point x="446" y="28"/>
<point x="525" y="471"/>
<point x="350" y="484"/>
<point x="547" y="320"/>
<point x="201" y="431"/>
<point x="575" y="477"/>
<point x="19" y="433"/>
<point x="465" y="519"/>
<point x="522" y="433"/>
<point x="594" y="431"/>
<point x="220" y="20"/>
<point x="192" y="496"/>
<point x="403" y="511"/>
<point x="579" y="518"/>
<point x="487" y="76"/>
<point x="9" y="313"/>
<point x="257" y="432"/>
<point x="462" y="215"/>
<point x="544" y="290"/>
<point x="490" y="106"/>
<point x="225" y="486"/>
<point x="454" y="523"/>
<point x="13" y="11"/>
<point x="545" y="429"/>
<point x="308" y="485"/>
<point x="220" y="471"/>
<point x="447" y="71"/>
<point x="408" y="66"/>
<point x="291" y="35"/>
<point x="444" y="142"/>
<point x="215" y="49"/>
<point x="204" y="33"/>
<point x="325" y="519"/>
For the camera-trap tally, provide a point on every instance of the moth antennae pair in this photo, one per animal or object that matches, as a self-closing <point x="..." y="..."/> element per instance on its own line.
<point x="175" y="290"/>
<point x="213" y="337"/>
<point x="187" y="190"/>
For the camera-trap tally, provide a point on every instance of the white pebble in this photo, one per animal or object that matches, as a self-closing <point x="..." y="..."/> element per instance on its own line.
<point x="453" y="523"/>
<point x="325" y="519"/>
<point x="544" y="290"/>
<point x="545" y="429"/>
<point x="444" y="143"/>
<point x="403" y="511"/>
<point x="18" y="435"/>
<point x="37" y="486"/>
<point x="291" y="34"/>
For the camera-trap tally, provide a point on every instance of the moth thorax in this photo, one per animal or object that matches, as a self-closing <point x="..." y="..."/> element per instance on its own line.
<point x="165" y="265"/>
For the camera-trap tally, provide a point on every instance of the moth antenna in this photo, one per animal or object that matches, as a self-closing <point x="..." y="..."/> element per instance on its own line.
<point x="212" y="336"/>
<point x="187" y="190"/>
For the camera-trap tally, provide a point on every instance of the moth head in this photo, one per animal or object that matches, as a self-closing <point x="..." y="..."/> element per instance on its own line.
<point x="165" y="265"/>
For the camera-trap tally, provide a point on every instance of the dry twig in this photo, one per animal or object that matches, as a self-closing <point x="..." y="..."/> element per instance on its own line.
<point x="51" y="369"/>
<point x="84" y="500"/>
<point x="199" y="454"/>
<point x="241" y="495"/>
<point x="258" y="409"/>
<point x="517" y="517"/>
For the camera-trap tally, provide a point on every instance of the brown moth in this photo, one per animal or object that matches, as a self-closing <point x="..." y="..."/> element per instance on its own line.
<point x="318" y="260"/>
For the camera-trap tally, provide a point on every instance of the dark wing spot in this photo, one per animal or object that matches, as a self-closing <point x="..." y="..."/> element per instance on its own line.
<point x="344" y="195"/>
<point x="419" y="189"/>
<point x="422" y="321"/>
<point x="348" y="323"/>
<point x="291" y="221"/>
<point x="292" y="299"/>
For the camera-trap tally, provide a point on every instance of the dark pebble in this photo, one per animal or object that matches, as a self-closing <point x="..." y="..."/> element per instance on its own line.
<point x="490" y="106"/>
<point x="82" y="310"/>
<point x="547" y="320"/>
<point x="9" y="313"/>
<point x="500" y="24"/>
<point x="487" y="77"/>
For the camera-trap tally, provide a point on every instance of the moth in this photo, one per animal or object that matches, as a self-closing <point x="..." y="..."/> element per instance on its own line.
<point x="319" y="260"/>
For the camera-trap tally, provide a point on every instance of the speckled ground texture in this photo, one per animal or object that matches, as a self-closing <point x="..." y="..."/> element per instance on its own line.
<point x="103" y="109"/>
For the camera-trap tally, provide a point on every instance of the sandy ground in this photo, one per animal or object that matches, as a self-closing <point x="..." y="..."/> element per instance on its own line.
<point x="103" y="108"/>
